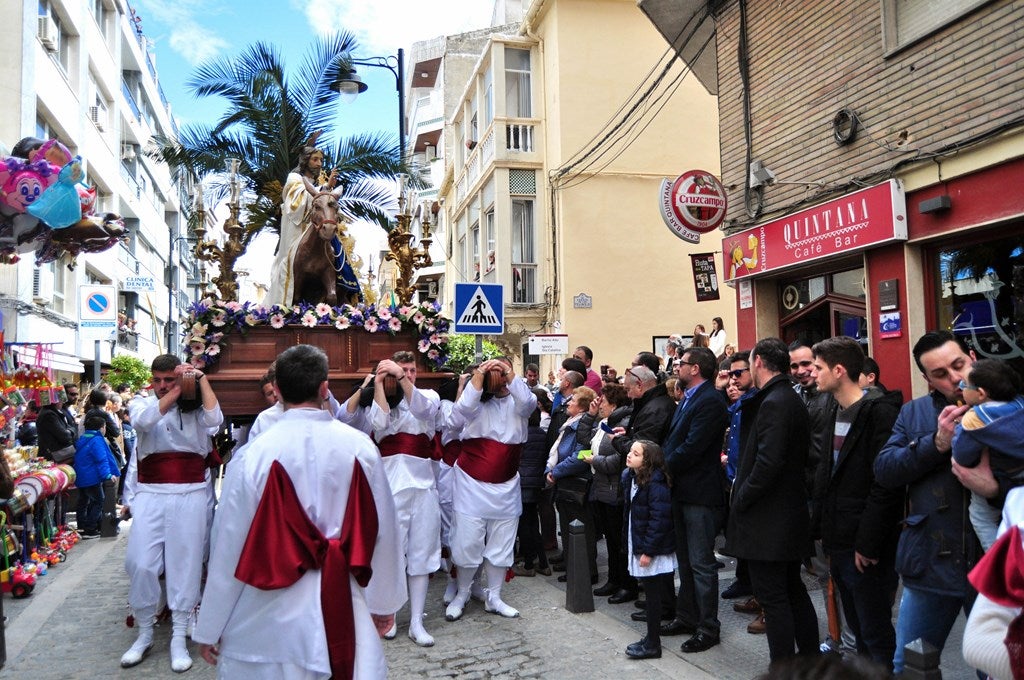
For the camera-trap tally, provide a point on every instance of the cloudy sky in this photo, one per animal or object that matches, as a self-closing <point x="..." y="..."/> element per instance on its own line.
<point x="185" y="33"/>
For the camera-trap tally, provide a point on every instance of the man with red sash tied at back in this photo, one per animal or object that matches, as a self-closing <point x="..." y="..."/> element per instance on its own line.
<point x="405" y="436"/>
<point x="170" y="505"/>
<point x="306" y="565"/>
<point x="486" y="496"/>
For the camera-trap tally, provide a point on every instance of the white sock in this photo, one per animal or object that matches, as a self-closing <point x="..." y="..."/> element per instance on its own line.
<point x="137" y="652"/>
<point x="465" y="580"/>
<point x="417" y="601"/>
<point x="477" y="590"/>
<point x="493" y="603"/>
<point x="180" y="659"/>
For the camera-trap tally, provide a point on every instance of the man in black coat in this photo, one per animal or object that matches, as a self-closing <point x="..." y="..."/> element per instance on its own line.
<point x="693" y="453"/>
<point x="652" y="409"/>
<point x="769" y="525"/>
<point x="856" y="517"/>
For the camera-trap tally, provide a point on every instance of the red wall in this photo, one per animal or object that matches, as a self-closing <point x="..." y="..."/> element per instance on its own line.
<point x="892" y="354"/>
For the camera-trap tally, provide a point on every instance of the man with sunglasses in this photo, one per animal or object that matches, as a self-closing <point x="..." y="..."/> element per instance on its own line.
<point x="741" y="384"/>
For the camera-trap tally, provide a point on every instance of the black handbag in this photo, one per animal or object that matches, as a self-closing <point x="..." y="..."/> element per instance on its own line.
<point x="573" y="490"/>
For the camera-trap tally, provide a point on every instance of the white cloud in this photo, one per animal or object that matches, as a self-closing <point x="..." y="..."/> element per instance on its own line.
<point x="382" y="26"/>
<point x="195" y="43"/>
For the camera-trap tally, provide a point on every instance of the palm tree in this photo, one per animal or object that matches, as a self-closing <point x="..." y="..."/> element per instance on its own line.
<point x="270" y="115"/>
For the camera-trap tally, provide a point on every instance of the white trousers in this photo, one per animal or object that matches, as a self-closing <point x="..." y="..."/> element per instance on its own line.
<point x="233" y="669"/>
<point x="445" y="484"/>
<point x="419" y="527"/>
<point x="475" y="539"/>
<point x="167" y="537"/>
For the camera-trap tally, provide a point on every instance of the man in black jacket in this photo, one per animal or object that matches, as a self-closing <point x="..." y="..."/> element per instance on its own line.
<point x="693" y="452"/>
<point x="652" y="409"/>
<point x="858" y="519"/>
<point x="769" y="525"/>
<point x="56" y="428"/>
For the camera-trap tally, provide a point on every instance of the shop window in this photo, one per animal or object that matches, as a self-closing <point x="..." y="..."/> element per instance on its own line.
<point x="980" y="296"/>
<point x="849" y="283"/>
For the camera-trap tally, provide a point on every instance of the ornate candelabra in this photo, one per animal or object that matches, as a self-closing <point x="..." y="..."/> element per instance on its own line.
<point x="407" y="257"/>
<point x="224" y="255"/>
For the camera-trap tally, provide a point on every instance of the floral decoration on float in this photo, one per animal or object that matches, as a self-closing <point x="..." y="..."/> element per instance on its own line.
<point x="211" y="321"/>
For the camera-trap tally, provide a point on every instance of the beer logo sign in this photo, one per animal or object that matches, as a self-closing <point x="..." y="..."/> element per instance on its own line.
<point x="693" y="204"/>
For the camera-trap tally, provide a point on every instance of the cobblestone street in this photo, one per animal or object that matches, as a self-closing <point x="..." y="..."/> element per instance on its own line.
<point x="72" y="627"/>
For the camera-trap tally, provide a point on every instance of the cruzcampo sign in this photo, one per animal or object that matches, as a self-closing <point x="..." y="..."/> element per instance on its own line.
<point x="857" y="221"/>
<point x="692" y="204"/>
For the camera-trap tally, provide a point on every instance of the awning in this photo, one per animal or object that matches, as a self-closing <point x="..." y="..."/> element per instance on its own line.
<point x="687" y="25"/>
<point x="59" y="361"/>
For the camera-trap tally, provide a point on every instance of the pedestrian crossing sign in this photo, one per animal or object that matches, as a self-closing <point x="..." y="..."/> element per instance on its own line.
<point x="479" y="308"/>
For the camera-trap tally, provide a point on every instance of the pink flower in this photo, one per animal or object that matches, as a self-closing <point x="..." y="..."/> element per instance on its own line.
<point x="384" y="313"/>
<point x="233" y="306"/>
<point x="370" y="325"/>
<point x="435" y="339"/>
<point x="418" y="318"/>
<point x="214" y="350"/>
<point x="197" y="362"/>
<point x="309" y="319"/>
<point x="218" y="318"/>
<point x="197" y="347"/>
<point x="432" y="354"/>
<point x="216" y="337"/>
<point x="277" y="321"/>
<point x="423" y="346"/>
<point x="431" y="329"/>
<point x="341" y="323"/>
<point x="323" y="309"/>
<point x="404" y="312"/>
<point x="395" y="324"/>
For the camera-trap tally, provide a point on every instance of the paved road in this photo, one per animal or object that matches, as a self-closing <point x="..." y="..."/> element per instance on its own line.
<point x="73" y="628"/>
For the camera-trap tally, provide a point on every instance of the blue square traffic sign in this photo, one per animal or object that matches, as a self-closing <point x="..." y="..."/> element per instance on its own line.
<point x="479" y="308"/>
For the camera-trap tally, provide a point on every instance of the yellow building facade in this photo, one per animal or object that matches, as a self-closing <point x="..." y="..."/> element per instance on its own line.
<point x="554" y="164"/>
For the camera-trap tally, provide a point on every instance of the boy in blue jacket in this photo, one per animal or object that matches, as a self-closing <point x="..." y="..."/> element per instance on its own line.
<point x="94" y="464"/>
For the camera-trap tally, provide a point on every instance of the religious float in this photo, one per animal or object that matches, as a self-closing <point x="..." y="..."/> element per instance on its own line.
<point x="235" y="342"/>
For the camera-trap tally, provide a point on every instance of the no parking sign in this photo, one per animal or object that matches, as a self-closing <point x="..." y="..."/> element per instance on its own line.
<point x="97" y="312"/>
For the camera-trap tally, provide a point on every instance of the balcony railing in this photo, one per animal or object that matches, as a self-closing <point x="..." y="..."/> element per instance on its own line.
<point x="130" y="98"/>
<point x="128" y="340"/>
<point x="519" y="137"/>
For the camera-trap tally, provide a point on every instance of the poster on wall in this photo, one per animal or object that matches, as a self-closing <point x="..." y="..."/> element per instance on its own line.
<point x="705" y="279"/>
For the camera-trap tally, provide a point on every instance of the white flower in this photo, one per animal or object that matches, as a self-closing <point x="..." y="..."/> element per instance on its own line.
<point x="218" y="318"/>
<point x="341" y="323"/>
<point x="323" y="309"/>
<point x="309" y="319"/>
<point x="251" y="319"/>
<point x="214" y="350"/>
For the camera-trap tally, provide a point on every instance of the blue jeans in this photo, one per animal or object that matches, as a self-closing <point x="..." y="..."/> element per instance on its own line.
<point x="926" y="615"/>
<point x="90" y="507"/>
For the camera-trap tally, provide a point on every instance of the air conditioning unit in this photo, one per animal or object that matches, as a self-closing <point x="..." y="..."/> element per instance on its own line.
<point x="48" y="33"/>
<point x="127" y="152"/>
<point x="42" y="286"/>
<point x="98" y="116"/>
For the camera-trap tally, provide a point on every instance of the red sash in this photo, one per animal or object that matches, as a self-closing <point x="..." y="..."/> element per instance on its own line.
<point x="451" y="452"/>
<point x="419" y="445"/>
<point x="172" y="467"/>
<point x="486" y="460"/>
<point x="283" y="544"/>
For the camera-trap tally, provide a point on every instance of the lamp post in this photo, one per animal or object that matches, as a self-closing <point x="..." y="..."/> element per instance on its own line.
<point x="350" y="85"/>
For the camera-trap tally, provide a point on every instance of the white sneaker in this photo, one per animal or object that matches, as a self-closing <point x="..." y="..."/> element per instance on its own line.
<point x="421" y="637"/>
<point x="455" y="609"/>
<point x="497" y="606"/>
<point x="137" y="652"/>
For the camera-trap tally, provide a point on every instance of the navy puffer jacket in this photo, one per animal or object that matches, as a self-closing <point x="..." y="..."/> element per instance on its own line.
<point x="532" y="462"/>
<point x="648" y="515"/>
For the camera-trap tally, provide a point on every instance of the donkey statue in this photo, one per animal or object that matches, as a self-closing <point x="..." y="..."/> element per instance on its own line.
<point x="321" y="270"/>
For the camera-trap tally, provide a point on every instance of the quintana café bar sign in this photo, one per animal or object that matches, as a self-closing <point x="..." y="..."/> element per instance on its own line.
<point x="857" y="221"/>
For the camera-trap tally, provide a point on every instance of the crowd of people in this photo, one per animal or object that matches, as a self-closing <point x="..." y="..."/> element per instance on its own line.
<point x="797" y="454"/>
<point x="802" y="458"/>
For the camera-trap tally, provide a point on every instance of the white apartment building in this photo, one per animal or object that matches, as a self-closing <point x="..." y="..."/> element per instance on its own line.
<point x="83" y="72"/>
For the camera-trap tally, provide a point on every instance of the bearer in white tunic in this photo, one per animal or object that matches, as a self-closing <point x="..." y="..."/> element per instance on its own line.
<point x="405" y="437"/>
<point x="486" y="496"/>
<point x="170" y="506"/>
<point x="312" y="613"/>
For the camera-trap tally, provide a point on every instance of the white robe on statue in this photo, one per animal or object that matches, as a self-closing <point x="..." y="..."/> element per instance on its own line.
<point x="296" y="200"/>
<point x="286" y="627"/>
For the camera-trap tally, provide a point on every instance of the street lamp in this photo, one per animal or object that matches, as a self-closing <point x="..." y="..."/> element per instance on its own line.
<point x="349" y="85"/>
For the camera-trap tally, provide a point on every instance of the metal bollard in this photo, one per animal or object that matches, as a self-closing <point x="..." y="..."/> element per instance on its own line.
<point x="921" y="661"/>
<point x="578" y="595"/>
<point x="108" y="518"/>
